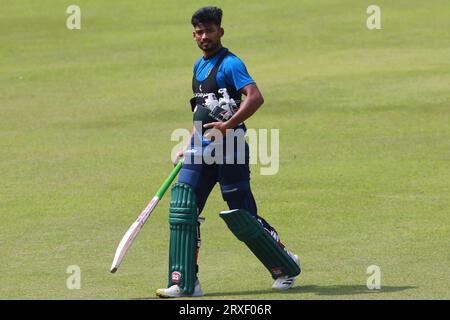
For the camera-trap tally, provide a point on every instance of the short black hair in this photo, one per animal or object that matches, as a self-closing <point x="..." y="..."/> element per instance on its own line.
<point x="207" y="15"/>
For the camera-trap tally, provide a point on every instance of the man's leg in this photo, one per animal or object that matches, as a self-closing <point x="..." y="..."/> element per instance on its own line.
<point x="239" y="196"/>
<point x="183" y="238"/>
<point x="201" y="178"/>
<point x="283" y="265"/>
<point x="235" y="186"/>
<point x="189" y="196"/>
<point x="244" y="221"/>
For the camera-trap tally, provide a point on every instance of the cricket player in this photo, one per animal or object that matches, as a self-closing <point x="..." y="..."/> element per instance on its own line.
<point x="219" y="80"/>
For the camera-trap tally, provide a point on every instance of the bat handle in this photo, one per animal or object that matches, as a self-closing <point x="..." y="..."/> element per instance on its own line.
<point x="169" y="179"/>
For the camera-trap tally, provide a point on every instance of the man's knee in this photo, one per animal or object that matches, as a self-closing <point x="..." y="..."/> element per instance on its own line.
<point x="189" y="177"/>
<point x="239" y="196"/>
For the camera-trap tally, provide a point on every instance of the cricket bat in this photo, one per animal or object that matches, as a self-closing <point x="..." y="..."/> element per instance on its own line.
<point x="133" y="231"/>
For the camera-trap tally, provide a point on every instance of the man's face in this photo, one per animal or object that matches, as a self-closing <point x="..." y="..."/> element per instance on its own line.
<point x="207" y="36"/>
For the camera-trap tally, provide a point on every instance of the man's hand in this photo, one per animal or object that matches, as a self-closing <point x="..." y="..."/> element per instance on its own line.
<point x="178" y="156"/>
<point x="221" y="126"/>
<point x="253" y="101"/>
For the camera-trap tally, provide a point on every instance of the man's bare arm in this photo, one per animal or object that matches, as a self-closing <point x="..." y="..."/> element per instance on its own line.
<point x="252" y="102"/>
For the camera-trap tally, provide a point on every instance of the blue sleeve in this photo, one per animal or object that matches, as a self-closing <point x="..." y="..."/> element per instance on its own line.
<point x="236" y="74"/>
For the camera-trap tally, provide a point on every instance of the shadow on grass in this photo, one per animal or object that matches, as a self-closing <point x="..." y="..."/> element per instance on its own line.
<point x="318" y="290"/>
<point x="345" y="290"/>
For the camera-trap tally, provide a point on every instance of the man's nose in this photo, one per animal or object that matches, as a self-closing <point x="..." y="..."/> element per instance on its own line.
<point x="204" y="36"/>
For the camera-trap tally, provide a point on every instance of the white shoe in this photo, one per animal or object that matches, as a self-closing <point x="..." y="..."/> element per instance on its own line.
<point x="286" y="282"/>
<point x="176" y="292"/>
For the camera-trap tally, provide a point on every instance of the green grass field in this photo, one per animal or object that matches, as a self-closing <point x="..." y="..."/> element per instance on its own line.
<point x="364" y="117"/>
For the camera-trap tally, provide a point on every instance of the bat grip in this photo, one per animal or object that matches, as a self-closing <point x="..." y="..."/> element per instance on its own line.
<point x="169" y="179"/>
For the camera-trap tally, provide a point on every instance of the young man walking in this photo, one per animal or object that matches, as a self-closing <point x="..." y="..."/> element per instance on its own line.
<point x="219" y="80"/>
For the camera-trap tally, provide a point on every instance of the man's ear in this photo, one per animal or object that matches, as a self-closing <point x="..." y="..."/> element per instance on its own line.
<point x="222" y="31"/>
<point x="193" y="34"/>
